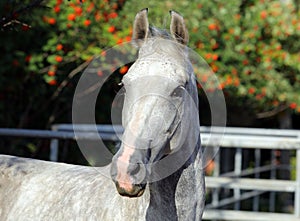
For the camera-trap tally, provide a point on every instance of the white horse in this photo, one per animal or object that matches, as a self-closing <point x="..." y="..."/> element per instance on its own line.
<point x="157" y="173"/>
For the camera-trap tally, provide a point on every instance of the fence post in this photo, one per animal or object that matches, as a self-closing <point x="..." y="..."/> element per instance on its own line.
<point x="272" y="177"/>
<point x="297" y="192"/>
<point x="237" y="170"/>
<point x="257" y="176"/>
<point x="216" y="173"/>
<point x="53" y="156"/>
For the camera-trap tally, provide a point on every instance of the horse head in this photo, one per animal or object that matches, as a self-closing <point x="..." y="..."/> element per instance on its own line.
<point x="156" y="93"/>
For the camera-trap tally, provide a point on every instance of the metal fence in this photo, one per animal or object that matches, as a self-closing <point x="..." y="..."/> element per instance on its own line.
<point x="244" y="179"/>
<point x="240" y="170"/>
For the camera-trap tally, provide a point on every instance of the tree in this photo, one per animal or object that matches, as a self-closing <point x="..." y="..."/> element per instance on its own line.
<point x="46" y="45"/>
<point x="252" y="46"/>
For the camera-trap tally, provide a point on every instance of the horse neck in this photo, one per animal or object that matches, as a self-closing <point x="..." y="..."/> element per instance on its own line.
<point x="179" y="196"/>
<point x="162" y="204"/>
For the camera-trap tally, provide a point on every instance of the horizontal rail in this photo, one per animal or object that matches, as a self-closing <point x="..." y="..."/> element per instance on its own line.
<point x="251" y="171"/>
<point x="251" y="131"/>
<point x="210" y="136"/>
<point x="105" y="128"/>
<point x="249" y="184"/>
<point x="231" y="200"/>
<point x="49" y="134"/>
<point x="212" y="214"/>
<point x="254" y="142"/>
<point x="204" y="129"/>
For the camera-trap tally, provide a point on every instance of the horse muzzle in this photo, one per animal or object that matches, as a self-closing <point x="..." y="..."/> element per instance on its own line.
<point x="135" y="190"/>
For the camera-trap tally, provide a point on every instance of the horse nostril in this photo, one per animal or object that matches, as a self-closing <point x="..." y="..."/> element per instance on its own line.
<point x="136" y="169"/>
<point x="138" y="172"/>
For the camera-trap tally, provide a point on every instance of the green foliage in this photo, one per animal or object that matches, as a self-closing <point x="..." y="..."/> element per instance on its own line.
<point x="39" y="70"/>
<point x="252" y="46"/>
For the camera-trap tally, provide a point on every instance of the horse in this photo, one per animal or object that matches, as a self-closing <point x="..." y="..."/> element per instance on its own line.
<point x="157" y="172"/>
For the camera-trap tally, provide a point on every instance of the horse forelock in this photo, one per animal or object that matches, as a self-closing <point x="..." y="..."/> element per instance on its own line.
<point x="163" y="57"/>
<point x="157" y="32"/>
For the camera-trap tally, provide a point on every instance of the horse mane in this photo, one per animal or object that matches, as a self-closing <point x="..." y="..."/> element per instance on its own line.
<point x="157" y="32"/>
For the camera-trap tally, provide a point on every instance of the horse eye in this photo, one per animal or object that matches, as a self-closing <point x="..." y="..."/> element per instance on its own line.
<point x="177" y="92"/>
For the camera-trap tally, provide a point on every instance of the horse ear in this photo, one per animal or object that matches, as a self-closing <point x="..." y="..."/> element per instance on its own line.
<point x="178" y="29"/>
<point x="140" y="27"/>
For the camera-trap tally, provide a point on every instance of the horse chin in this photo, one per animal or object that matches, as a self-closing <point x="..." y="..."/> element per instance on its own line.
<point x="134" y="191"/>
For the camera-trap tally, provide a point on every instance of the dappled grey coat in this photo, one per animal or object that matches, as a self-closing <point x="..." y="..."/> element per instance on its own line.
<point x="33" y="190"/>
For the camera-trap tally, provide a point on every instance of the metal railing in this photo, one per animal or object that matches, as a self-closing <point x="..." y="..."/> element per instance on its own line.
<point x="254" y="141"/>
<point x="243" y="180"/>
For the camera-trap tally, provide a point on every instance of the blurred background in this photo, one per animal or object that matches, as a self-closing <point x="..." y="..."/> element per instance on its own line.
<point x="253" y="46"/>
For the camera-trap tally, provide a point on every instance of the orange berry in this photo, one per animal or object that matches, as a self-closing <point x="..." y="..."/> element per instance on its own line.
<point x="236" y="82"/>
<point x="204" y="78"/>
<point x="212" y="26"/>
<point x="59" y="47"/>
<point x="210" y="168"/>
<point x="229" y="80"/>
<point x="263" y="15"/>
<point x="293" y="105"/>
<point x="221" y="86"/>
<point x="251" y="90"/>
<point x="90" y="7"/>
<point x="51" y="73"/>
<point x="97" y="16"/>
<point x="123" y="70"/>
<point x="215" y="46"/>
<point x="215" y="57"/>
<point x="58" y="58"/>
<point x="71" y="17"/>
<point x="200" y="45"/>
<point x="56" y="9"/>
<point x="111" y="29"/>
<point x="234" y="71"/>
<point x="259" y="96"/>
<point x="28" y="58"/>
<point x="208" y="56"/>
<point x="128" y="38"/>
<point x="214" y="67"/>
<point x="51" y="21"/>
<point x="275" y="103"/>
<point x="78" y="10"/>
<point x="245" y="62"/>
<point x="87" y="22"/>
<point x="112" y="15"/>
<point x="115" y="6"/>
<point x="52" y="82"/>
<point x="120" y="41"/>
<point x="237" y="16"/>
